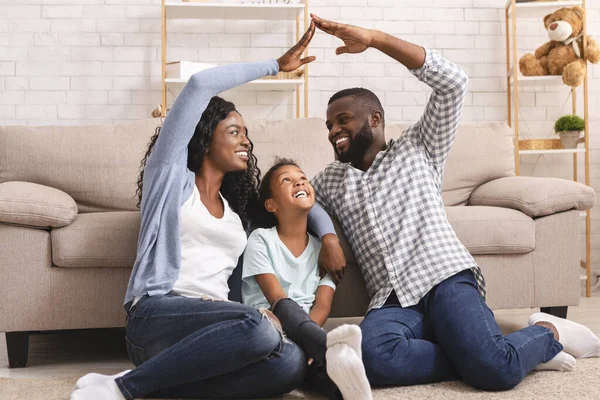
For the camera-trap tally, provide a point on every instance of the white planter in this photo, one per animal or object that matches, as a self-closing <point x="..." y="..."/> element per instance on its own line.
<point x="569" y="139"/>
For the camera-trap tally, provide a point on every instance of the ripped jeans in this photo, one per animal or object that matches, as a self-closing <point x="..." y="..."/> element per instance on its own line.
<point x="195" y="348"/>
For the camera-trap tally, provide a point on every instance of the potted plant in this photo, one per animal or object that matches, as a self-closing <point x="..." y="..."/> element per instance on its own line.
<point x="569" y="129"/>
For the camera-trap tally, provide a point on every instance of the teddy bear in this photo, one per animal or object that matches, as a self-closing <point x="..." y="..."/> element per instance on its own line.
<point x="562" y="55"/>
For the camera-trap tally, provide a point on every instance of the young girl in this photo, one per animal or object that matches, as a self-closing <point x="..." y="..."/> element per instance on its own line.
<point x="280" y="273"/>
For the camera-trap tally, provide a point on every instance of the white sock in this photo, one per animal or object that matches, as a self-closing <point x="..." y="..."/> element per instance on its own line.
<point x="97" y="378"/>
<point x="577" y="340"/>
<point x="105" y="390"/>
<point x="344" y="366"/>
<point x="561" y="362"/>
<point x="348" y="334"/>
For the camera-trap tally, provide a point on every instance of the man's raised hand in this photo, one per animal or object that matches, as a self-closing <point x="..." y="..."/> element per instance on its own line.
<point x="356" y="39"/>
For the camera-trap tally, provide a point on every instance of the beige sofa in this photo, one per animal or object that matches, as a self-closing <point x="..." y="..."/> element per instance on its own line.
<point x="69" y="223"/>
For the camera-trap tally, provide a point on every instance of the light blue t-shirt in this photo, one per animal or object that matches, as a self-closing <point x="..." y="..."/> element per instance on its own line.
<point x="299" y="276"/>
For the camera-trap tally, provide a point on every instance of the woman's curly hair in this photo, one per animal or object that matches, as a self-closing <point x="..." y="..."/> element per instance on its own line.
<point x="240" y="189"/>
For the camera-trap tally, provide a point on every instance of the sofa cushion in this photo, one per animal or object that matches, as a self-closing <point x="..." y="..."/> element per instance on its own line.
<point x="492" y="230"/>
<point x="106" y="239"/>
<point x="535" y="196"/>
<point x="29" y="204"/>
<point x="96" y="165"/>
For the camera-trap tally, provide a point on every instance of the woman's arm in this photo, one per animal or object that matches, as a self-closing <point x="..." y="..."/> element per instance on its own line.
<point x="180" y="124"/>
<point x="322" y="305"/>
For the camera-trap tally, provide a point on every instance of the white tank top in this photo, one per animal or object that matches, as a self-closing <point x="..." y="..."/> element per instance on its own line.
<point x="210" y="249"/>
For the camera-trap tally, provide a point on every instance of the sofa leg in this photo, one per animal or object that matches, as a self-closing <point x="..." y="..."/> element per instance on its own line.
<point x="17" y="346"/>
<point x="560" y="312"/>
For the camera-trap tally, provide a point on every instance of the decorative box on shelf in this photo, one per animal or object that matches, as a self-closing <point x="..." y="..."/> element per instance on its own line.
<point x="183" y="70"/>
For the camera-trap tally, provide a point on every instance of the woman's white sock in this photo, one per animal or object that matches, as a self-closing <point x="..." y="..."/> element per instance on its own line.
<point x="105" y="390"/>
<point x="561" y="362"/>
<point x="577" y="340"/>
<point x="344" y="366"/>
<point x="97" y="378"/>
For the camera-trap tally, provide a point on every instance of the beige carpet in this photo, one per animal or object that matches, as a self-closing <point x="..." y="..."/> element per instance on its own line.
<point x="583" y="383"/>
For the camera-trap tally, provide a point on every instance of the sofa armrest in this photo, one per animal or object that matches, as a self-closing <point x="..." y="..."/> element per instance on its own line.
<point x="38" y="206"/>
<point x="536" y="197"/>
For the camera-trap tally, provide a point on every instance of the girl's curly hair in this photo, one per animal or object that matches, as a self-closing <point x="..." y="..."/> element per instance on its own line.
<point x="239" y="188"/>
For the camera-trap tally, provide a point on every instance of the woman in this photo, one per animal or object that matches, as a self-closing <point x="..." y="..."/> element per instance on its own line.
<point x="199" y="183"/>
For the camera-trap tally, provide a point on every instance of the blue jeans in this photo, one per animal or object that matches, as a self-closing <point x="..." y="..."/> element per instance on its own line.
<point x="195" y="348"/>
<point x="450" y="334"/>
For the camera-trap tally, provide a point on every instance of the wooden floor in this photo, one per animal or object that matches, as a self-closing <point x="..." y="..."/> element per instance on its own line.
<point x="75" y="353"/>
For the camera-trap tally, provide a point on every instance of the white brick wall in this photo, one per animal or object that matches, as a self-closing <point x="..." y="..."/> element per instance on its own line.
<point x="76" y="61"/>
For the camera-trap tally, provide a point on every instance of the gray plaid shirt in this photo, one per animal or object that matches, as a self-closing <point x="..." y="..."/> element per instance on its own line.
<point x="393" y="214"/>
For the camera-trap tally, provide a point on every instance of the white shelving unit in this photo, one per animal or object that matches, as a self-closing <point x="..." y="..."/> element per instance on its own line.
<point x="172" y="9"/>
<point x="514" y="10"/>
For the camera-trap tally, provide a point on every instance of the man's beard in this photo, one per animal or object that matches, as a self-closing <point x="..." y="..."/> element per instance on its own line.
<point x="358" y="146"/>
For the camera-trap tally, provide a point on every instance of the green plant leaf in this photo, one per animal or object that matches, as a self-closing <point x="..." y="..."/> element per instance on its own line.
<point x="569" y="123"/>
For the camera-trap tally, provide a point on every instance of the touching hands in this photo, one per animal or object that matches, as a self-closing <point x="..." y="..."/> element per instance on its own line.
<point x="356" y="40"/>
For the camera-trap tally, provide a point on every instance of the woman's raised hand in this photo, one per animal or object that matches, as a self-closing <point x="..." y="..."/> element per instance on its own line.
<point x="292" y="60"/>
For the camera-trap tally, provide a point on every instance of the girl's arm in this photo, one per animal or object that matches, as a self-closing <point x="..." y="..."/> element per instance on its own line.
<point x="271" y="288"/>
<point x="322" y="306"/>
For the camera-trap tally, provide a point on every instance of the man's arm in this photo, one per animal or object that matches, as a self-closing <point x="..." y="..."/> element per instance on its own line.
<point x="322" y="305"/>
<point x="331" y="255"/>
<point x="437" y="127"/>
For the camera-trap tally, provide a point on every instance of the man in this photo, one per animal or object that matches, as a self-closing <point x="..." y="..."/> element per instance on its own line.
<point x="427" y="318"/>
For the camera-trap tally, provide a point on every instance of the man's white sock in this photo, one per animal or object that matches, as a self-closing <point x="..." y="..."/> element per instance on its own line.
<point x="348" y="334"/>
<point x="97" y="378"/>
<point x="577" y="340"/>
<point x="344" y="366"/>
<point x="561" y="362"/>
<point x="105" y="390"/>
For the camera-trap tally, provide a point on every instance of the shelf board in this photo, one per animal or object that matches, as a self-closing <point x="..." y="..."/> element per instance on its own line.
<point x="546" y="79"/>
<point x="543" y="4"/>
<point x="259" y="84"/>
<point x="552" y="151"/>
<point x="260" y="11"/>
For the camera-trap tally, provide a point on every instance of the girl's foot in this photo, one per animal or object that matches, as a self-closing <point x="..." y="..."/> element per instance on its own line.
<point x="577" y="340"/>
<point x="97" y="378"/>
<point x="344" y="366"/>
<point x="105" y="390"/>
<point x="561" y="362"/>
<point x="348" y="334"/>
